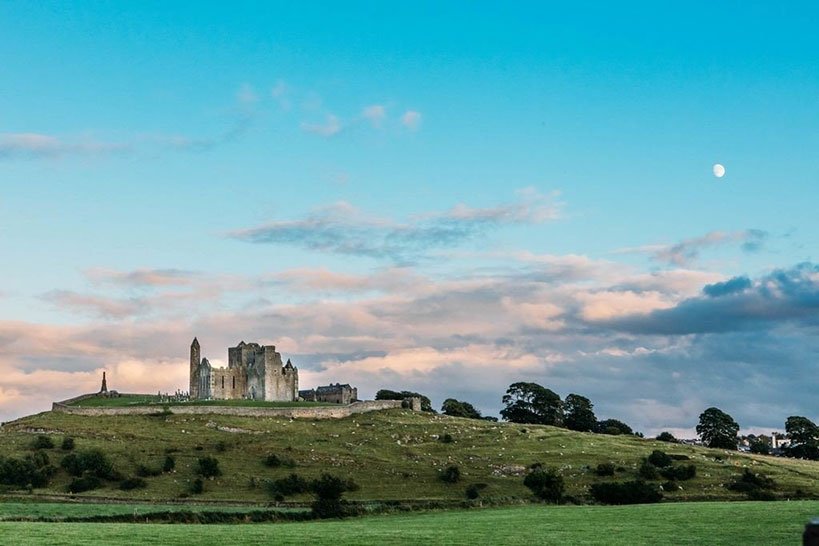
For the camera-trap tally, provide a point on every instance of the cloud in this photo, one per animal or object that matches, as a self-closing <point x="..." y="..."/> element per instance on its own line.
<point x="687" y="251"/>
<point x="95" y="305"/>
<point x="731" y="286"/>
<point x="280" y="93"/>
<point x="375" y="114"/>
<point x="38" y="145"/>
<point x="411" y="120"/>
<point x="343" y="229"/>
<point x="246" y="95"/>
<point x="332" y="126"/>
<point x="143" y="277"/>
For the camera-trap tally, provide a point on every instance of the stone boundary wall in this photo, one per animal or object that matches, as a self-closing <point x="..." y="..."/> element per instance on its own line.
<point x="317" y="412"/>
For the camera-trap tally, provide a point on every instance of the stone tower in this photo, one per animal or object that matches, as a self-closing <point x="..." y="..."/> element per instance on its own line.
<point x="195" y="360"/>
<point x="104" y="387"/>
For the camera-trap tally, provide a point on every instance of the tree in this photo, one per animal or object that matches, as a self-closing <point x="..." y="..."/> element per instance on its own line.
<point x="546" y="484"/>
<point x="801" y="430"/>
<point x="328" y="490"/>
<point x="579" y="414"/>
<point x="532" y="404"/>
<point x="456" y="408"/>
<point x="666" y="437"/>
<point x="613" y="427"/>
<point x="386" y="394"/>
<point x="718" y="429"/>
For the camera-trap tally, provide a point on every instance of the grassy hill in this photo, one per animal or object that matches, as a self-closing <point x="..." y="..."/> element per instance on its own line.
<point x="392" y="455"/>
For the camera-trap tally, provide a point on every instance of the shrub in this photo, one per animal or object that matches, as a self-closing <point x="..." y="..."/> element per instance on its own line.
<point x="328" y="490"/>
<point x="132" y="483"/>
<point x="604" y="469"/>
<point x="680" y="457"/>
<point x="474" y="490"/>
<point x="208" y="467"/>
<point x="446" y="438"/>
<point x="659" y="459"/>
<point x="91" y="461"/>
<point x="670" y="486"/>
<point x="33" y="470"/>
<point x="291" y="485"/>
<point x="145" y="471"/>
<point x="86" y="483"/>
<point x="451" y="474"/>
<point x="274" y="461"/>
<point x="198" y="486"/>
<point x="221" y="446"/>
<point x="546" y="484"/>
<point x="42" y="442"/>
<point x="681" y="473"/>
<point x="666" y="437"/>
<point x="648" y="471"/>
<point x="68" y="444"/>
<point x="169" y="464"/>
<point x="636" y="492"/>
<point x="756" y="486"/>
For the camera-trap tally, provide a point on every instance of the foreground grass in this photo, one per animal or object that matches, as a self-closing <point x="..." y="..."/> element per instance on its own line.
<point x="60" y="510"/>
<point x="392" y="455"/>
<point x="675" y="523"/>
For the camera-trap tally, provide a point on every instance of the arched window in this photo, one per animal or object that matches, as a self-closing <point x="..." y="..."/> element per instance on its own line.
<point x="234" y="382"/>
<point x="223" y="381"/>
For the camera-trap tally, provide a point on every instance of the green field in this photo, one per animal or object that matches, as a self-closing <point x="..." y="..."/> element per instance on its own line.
<point x="779" y="523"/>
<point x="392" y="455"/>
<point x="59" y="510"/>
<point x="128" y="400"/>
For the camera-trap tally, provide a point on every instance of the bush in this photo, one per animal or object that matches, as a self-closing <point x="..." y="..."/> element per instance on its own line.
<point x="755" y="486"/>
<point x="680" y="457"/>
<point x="272" y="461"/>
<point x="169" y="464"/>
<point x="221" y="446"/>
<point x="328" y="490"/>
<point x="291" y="485"/>
<point x="659" y="459"/>
<point x="680" y="473"/>
<point x="68" y="444"/>
<point x="670" y="486"/>
<point x="636" y="492"/>
<point x="666" y="437"/>
<point x="42" y="442"/>
<point x="604" y="469"/>
<point x="33" y="470"/>
<point x="474" y="490"/>
<point x="132" y="483"/>
<point x="86" y="483"/>
<point x="648" y="471"/>
<point x="446" y="438"/>
<point x="145" y="471"/>
<point x="91" y="461"/>
<point x="198" y="486"/>
<point x="546" y="484"/>
<point x="451" y="474"/>
<point x="208" y="467"/>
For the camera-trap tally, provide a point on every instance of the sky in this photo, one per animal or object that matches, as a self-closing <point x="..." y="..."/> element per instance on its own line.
<point x="438" y="198"/>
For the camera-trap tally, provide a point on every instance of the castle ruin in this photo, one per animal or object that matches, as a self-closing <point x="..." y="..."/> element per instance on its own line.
<point x="254" y="372"/>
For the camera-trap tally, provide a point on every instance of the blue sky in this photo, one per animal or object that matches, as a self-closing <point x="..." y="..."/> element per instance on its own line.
<point x="399" y="194"/>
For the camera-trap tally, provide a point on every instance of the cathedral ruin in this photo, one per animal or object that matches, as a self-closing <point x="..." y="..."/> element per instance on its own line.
<point x="254" y="372"/>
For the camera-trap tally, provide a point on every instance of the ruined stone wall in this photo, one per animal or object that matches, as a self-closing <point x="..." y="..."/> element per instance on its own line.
<point x="324" y="412"/>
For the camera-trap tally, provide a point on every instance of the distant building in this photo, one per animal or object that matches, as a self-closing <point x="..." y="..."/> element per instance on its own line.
<point x="335" y="394"/>
<point x="254" y="372"/>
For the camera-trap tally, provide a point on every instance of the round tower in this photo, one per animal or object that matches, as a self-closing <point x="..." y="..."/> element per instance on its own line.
<point x="195" y="361"/>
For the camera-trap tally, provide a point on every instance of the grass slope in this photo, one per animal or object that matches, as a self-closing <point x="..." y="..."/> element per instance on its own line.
<point x="678" y="524"/>
<point x="392" y="455"/>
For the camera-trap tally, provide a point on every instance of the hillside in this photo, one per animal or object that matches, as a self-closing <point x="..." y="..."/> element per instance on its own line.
<point x="392" y="455"/>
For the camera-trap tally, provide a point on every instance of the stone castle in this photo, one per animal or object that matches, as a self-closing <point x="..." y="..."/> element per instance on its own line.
<point x="254" y="372"/>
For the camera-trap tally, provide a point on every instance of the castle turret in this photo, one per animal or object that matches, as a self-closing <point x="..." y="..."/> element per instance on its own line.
<point x="195" y="361"/>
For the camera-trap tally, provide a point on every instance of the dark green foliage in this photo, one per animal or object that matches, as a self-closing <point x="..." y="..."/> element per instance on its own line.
<point x="613" y="427"/>
<point x="145" y="471"/>
<point x="384" y="394"/>
<point x="756" y="486"/>
<point x="530" y="403"/>
<point x="90" y="461"/>
<point x="801" y="430"/>
<point x="85" y="483"/>
<point x="680" y="457"/>
<point x="451" y="474"/>
<point x="636" y="492"/>
<point x="648" y="471"/>
<point x="718" y="429"/>
<point x="474" y="490"/>
<point x="670" y="485"/>
<point x="604" y="469"/>
<point x="445" y="438"/>
<point x="328" y="490"/>
<point x="221" y="446"/>
<point x="68" y="444"/>
<point x="456" y="408"/>
<point x="579" y="414"/>
<point x="679" y="473"/>
<point x="803" y="452"/>
<point x="197" y="486"/>
<point x="208" y="467"/>
<point x="759" y="447"/>
<point x="274" y="461"/>
<point x="169" y="464"/>
<point x="666" y="437"/>
<point x="660" y="459"/>
<point x="291" y="485"/>
<point x="33" y="470"/>
<point x="546" y="484"/>
<point x="132" y="483"/>
<point x="42" y="442"/>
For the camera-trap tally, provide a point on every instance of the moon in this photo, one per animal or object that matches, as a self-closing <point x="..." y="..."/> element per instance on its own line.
<point x="719" y="170"/>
